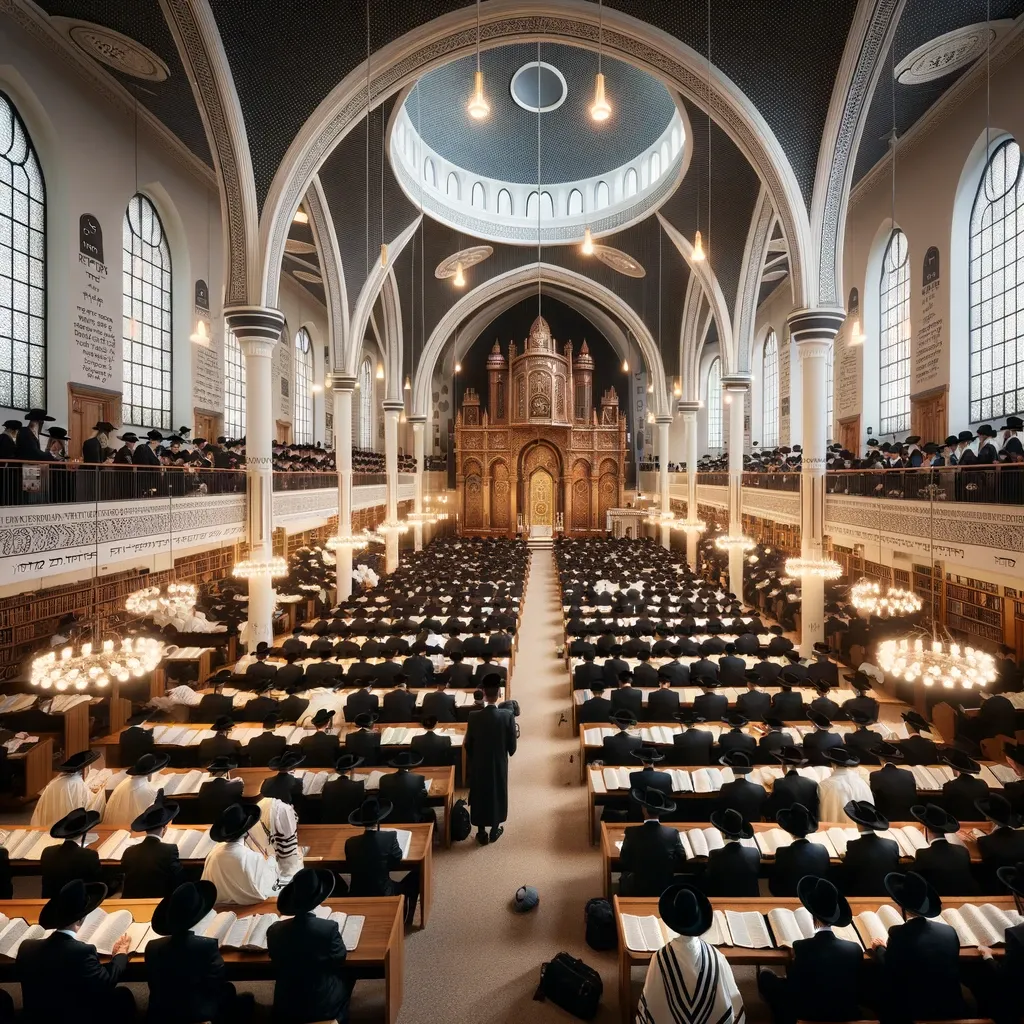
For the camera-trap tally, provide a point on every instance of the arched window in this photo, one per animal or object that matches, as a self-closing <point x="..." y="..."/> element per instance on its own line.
<point x="146" y="317"/>
<point x="479" y="199"/>
<point x="366" y="404"/>
<point x="505" y="203"/>
<point x="22" y="266"/>
<point x="452" y="186"/>
<point x="531" y="206"/>
<point x="715" y="404"/>
<point x="770" y="392"/>
<point x="676" y="141"/>
<point x="430" y="172"/>
<point x="894" y="337"/>
<point x="303" y="415"/>
<point x="655" y="167"/>
<point x="575" y="205"/>
<point x="601" y="195"/>
<point x="829" y="391"/>
<point x="997" y="288"/>
<point x="234" y="387"/>
<point x="630" y="183"/>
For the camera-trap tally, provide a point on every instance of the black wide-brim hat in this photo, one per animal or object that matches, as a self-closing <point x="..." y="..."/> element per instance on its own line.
<point x="791" y="755"/>
<point x="306" y="891"/>
<point x="998" y="809"/>
<point x="76" y="900"/>
<point x="623" y="718"/>
<point x="148" y="764"/>
<point x="234" y="822"/>
<point x="736" y="720"/>
<point x="841" y="757"/>
<point x="76" y="762"/>
<point x="818" y="718"/>
<point x="370" y="812"/>
<point x="959" y="761"/>
<point x="935" y="818"/>
<point x="223" y="723"/>
<point x="653" y="799"/>
<point x="406" y="759"/>
<point x="159" y="813"/>
<point x="688" y="717"/>
<point x="38" y="415"/>
<point x="859" y="717"/>
<point x="685" y="909"/>
<point x="823" y="901"/>
<point x="347" y="763"/>
<point x="221" y="763"/>
<point x="867" y="815"/>
<point x="737" y="760"/>
<point x="287" y="761"/>
<point x="75" y="823"/>
<point x="917" y="720"/>
<point x="647" y="755"/>
<point x="797" y="820"/>
<point x="1012" y="876"/>
<point x="913" y="893"/>
<point x="184" y="908"/>
<point x="885" y="751"/>
<point x="731" y="824"/>
<point x="364" y="720"/>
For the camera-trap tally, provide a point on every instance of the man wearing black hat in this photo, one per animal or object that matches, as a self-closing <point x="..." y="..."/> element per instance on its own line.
<point x="677" y="673"/>
<point x="341" y="796"/>
<point x="123" y="455"/>
<point x="185" y="971"/>
<point x="944" y="865"/>
<point x="220" y="743"/>
<point x="733" y="869"/>
<point x="961" y="794"/>
<point x="290" y="673"/>
<point x="362" y="701"/>
<point x="364" y="741"/>
<point x="135" y="741"/>
<point x="647" y="779"/>
<point x="801" y="857"/>
<point x="824" y="978"/>
<point x="62" y="977"/>
<point x="773" y="738"/>
<point x="787" y="704"/>
<point x="711" y="706"/>
<point x="241" y="874"/>
<point x="262" y="749"/>
<point x="731" y="669"/>
<point x="996" y="983"/>
<point x="651" y="853"/>
<point x="741" y="794"/>
<point x="292" y="708"/>
<point x="792" y="788"/>
<point x="893" y="789"/>
<point x="662" y="703"/>
<point x="863" y="702"/>
<point x="406" y="790"/>
<point x="72" y="859"/>
<point x="755" y="703"/>
<point x="587" y="675"/>
<point x="918" y="749"/>
<point x="626" y="697"/>
<point x="373" y="855"/>
<point x="618" y="748"/>
<point x="439" y="703"/>
<point x="490" y="741"/>
<point x="736" y="739"/>
<point x="67" y="791"/>
<point x="321" y="749"/>
<point x="870" y="857"/>
<point x="434" y="749"/>
<point x="863" y="740"/>
<point x="824" y="704"/>
<point x="152" y="869"/>
<point x="1004" y="845"/>
<point x="692" y="746"/>
<point x="260" y="669"/>
<point x="597" y="709"/>
<point x="92" y="447"/>
<point x="613" y="667"/>
<point x="27" y="443"/>
<point x="398" y="705"/>
<point x="308" y="953"/>
<point x="218" y="792"/>
<point x="214" y="705"/>
<point x="822" y="739"/>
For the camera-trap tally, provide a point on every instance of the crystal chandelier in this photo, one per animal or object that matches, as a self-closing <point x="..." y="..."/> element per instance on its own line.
<point x="179" y="600"/>
<point x="426" y="518"/>
<point x="347" y="542"/>
<point x="396" y="526"/>
<point x="658" y="518"/>
<point x="71" y="670"/>
<point x="866" y="596"/>
<point x="694" y="525"/>
<point x="741" y="541"/>
<point x="936" y="662"/>
<point x="253" y="568"/>
<point x="825" y="568"/>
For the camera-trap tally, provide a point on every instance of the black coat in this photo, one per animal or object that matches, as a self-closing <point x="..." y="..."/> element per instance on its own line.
<point x="1002" y="847"/>
<point x="651" y="855"/>
<point x="64" y="863"/>
<point x="732" y="871"/>
<point x="311" y="985"/>
<point x="863" y="742"/>
<point x="662" y="706"/>
<point x="894" y="791"/>
<point x="815" y="743"/>
<point x="792" y="862"/>
<point x="292" y="708"/>
<point x="436" y="750"/>
<point x="220" y="746"/>
<point x="926" y="953"/>
<point x="788" y="705"/>
<point x="214" y="796"/>
<point x="398" y="706"/>
<point x="754" y="704"/>
<point x="692" y="747"/>
<point x="595" y="711"/>
<point x="770" y="743"/>
<point x="133" y="743"/>
<point x="611" y="669"/>
<point x="257" y="709"/>
<point x="792" y="789"/>
<point x="361" y="702"/>
<point x="186" y="979"/>
<point x="866" y="705"/>
<point x="408" y="794"/>
<point x="584" y="676"/>
<point x="370" y="858"/>
<point x="737" y="739"/>
<point x="210" y="707"/>
<point x="419" y="669"/>
<point x="746" y="797"/>
<point x="340" y="797"/>
<point x="490" y="742"/>
<point x="152" y="870"/>
<point x="960" y="794"/>
<point x="322" y="749"/>
<point x="364" y="743"/>
<point x="868" y="860"/>
<point x="677" y="673"/>
<point x="629" y="699"/>
<point x="730" y="670"/>
<point x="287" y="676"/>
<point x="919" y="750"/>
<point x="62" y="978"/>
<point x="647" y="778"/>
<point x="824" y="978"/>
<point x="618" y="749"/>
<point x="712" y="707"/>
<point x="264" y="747"/>
<point x="459" y="676"/>
<point x="440" y="705"/>
<point x="948" y="867"/>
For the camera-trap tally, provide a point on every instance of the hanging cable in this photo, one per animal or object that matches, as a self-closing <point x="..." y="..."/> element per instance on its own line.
<point x="367" y="186"/>
<point x="539" y="270"/>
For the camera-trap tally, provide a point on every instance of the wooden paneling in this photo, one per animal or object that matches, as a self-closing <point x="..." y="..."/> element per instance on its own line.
<point x="86" y="407"/>
<point x="849" y="434"/>
<point x="928" y="416"/>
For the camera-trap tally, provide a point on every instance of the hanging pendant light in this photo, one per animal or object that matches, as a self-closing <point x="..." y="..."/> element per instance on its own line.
<point x="698" y="248"/>
<point x="587" y="248"/>
<point x="460" y="279"/>
<point x="383" y="255"/>
<point x="625" y="366"/>
<point x="380" y="371"/>
<point x="600" y="109"/>
<point x="458" y="366"/>
<point x="199" y="335"/>
<point x="478" y="108"/>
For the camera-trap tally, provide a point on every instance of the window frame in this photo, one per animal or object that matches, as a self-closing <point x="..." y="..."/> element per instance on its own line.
<point x="302" y="402"/>
<point x="234" y="387"/>
<point x="894" y="339"/>
<point x="366" y="404"/>
<point x="715" y="436"/>
<point x="770" y="391"/>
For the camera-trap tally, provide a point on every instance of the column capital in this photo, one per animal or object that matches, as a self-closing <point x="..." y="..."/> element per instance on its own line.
<point x="254" y="323"/>
<point x="342" y="384"/>
<point x="416" y="421"/>
<point x="691" y="408"/>
<point x="739" y="381"/>
<point x="810" y="325"/>
<point x="664" y="419"/>
<point x="393" y="405"/>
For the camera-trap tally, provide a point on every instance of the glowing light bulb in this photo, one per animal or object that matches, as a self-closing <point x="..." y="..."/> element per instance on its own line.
<point x="300" y="217"/>
<point x="625" y="366"/>
<point x="587" y="248"/>
<point x="478" y="107"/>
<point x="380" y="371"/>
<point x="600" y="109"/>
<point x="458" y="367"/>
<point x="698" y="248"/>
<point x="460" y="279"/>
<point x="199" y="335"/>
<point x="383" y="256"/>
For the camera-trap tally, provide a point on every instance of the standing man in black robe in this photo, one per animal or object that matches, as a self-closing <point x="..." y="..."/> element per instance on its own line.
<point x="490" y="742"/>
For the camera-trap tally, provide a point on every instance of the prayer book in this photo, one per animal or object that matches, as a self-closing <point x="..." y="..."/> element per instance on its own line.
<point x="875" y="924"/>
<point x="983" y="925"/>
<point x="404" y="837"/>
<point x="1003" y="772"/>
<point x="15" y="932"/>
<point x="313" y="782"/>
<point x="839" y="837"/>
<point x="710" y="780"/>
<point x="103" y="930"/>
<point x="645" y="934"/>
<point x="909" y="839"/>
<point x="789" y="926"/>
<point x="748" y="929"/>
<point x="182" y="783"/>
<point x="658" y="734"/>
<point x="772" y="839"/>
<point x="616" y="778"/>
<point x="250" y="932"/>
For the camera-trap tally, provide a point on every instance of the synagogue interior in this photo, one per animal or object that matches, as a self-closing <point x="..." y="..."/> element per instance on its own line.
<point x="511" y="509"/>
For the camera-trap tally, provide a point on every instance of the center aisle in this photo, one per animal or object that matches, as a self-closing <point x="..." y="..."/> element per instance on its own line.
<point x="479" y="961"/>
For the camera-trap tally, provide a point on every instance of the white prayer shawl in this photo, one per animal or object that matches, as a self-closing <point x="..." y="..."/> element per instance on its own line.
<point x="241" y="874"/>
<point x="837" y="790"/>
<point x="61" y="796"/>
<point x="690" y="982"/>
<point x="278" y="835"/>
<point x="131" y="796"/>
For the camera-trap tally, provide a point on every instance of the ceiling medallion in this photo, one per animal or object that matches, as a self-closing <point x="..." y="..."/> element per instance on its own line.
<point x="296" y="245"/>
<point x="305" y="275"/>
<point x="466" y="258"/>
<point x="947" y="53"/>
<point x="538" y="91"/>
<point x="113" y="49"/>
<point x="619" y="260"/>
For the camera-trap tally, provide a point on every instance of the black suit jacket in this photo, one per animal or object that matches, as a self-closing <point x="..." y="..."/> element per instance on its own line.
<point x="692" y="747"/>
<point x="440" y="705"/>
<point x="788" y="705"/>
<point x="919" y="750"/>
<point x="630" y="699"/>
<point x="792" y="789"/>
<point x="220" y="746"/>
<point x="948" y="867"/>
<point x="711" y="706"/>
<point x="959" y="795"/>
<point x="1002" y="847"/>
<point x="133" y="743"/>
<point x="651" y="855"/>
<point x="408" y="794"/>
<point x="364" y="743"/>
<point x="264" y="747"/>
<point x="186" y="979"/>
<point x="618" y="749"/>
<point x="322" y="749"/>
<point x="792" y="862"/>
<point x="398" y="706"/>
<point x="152" y="870"/>
<point x="371" y="857"/>
<point x="824" y="978"/>
<point x="662" y="706"/>
<point x="730" y="670"/>
<point x="894" y="791"/>
<point x="746" y="797"/>
<point x="594" y="711"/>
<point x="815" y="743"/>
<point x="732" y="871"/>
<point x="868" y="860"/>
<point x="214" y="796"/>
<point x="736" y="739"/>
<point x="339" y="799"/>
<point x="210" y="707"/>
<point x="754" y="704"/>
<point x="611" y="669"/>
<point x="64" y="863"/>
<point x="678" y="674"/>
<point x="459" y="676"/>
<point x="585" y="675"/>
<point x="359" y="703"/>
<point x="436" y="750"/>
<point x="419" y="669"/>
<point x="647" y="778"/>
<point x="257" y="709"/>
<point x="311" y="984"/>
<point x="928" y="953"/>
<point x="863" y="743"/>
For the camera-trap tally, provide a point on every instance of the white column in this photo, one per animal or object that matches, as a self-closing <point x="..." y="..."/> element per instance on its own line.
<point x="343" y="388"/>
<point x="418" y="425"/>
<point x="688" y="410"/>
<point x="813" y="332"/>
<point x="258" y="330"/>
<point x="664" y="424"/>
<point x="392" y="410"/>
<point x="735" y="387"/>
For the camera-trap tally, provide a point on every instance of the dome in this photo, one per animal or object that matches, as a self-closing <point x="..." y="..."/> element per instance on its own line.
<point x="540" y="337"/>
<point x="496" y="359"/>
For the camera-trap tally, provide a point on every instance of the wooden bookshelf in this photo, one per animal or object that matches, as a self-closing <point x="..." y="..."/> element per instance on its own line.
<point x="922" y="586"/>
<point x="974" y="608"/>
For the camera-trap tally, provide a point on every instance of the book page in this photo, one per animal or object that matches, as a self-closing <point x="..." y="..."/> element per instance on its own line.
<point x="90" y="923"/>
<point x="701" y="780"/>
<point x="822" y="839"/>
<point x="1003" y="772"/>
<point x="870" y="927"/>
<point x="21" y="840"/>
<point x="44" y="841"/>
<point x="987" y="927"/>
<point x="713" y="838"/>
<point x="352" y="929"/>
<point x="697" y="841"/>
<point x="219" y="926"/>
<point x="849" y="933"/>
<point x="33" y="931"/>
<point x="915" y="838"/>
<point x="202" y="926"/>
<point x="889" y="916"/>
<point x="611" y="778"/>
<point x="236" y="934"/>
<point x="681" y="782"/>
<point x="257" y="935"/>
<point x="12" y="931"/>
<point x="108" y="848"/>
<point x="654" y="937"/>
<point x="790" y="926"/>
<point x="317" y="781"/>
<point x="140" y="934"/>
<point x="203" y="847"/>
<point x="748" y="929"/>
<point x="635" y="931"/>
<point x="185" y="839"/>
<point x="955" y="920"/>
<point x="597" y="780"/>
<point x="718" y="934"/>
<point x="110" y="930"/>
<point x="404" y="837"/>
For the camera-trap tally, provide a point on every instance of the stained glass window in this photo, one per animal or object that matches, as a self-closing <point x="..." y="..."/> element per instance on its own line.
<point x="234" y="387"/>
<point x="303" y="417"/>
<point x="770" y="392"/>
<point x="894" y="337"/>
<point x="715" y="404"/>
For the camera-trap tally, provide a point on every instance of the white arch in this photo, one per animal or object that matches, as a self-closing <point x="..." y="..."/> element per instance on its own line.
<point x="751" y="271"/>
<point x="322" y="226"/>
<point x="505" y="202"/>
<point x="512" y="279"/>
<point x="479" y="190"/>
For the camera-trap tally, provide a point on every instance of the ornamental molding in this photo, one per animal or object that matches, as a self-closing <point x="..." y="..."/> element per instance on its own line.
<point x="333" y="273"/>
<point x="120" y="52"/>
<point x="758" y="239"/>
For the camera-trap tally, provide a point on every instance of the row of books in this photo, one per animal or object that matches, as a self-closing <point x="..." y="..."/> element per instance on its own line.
<point x="688" y="694"/>
<point x="187" y="736"/>
<point x="28" y="844"/>
<point x="593" y="736"/>
<point x="17" y="702"/>
<point x="975" y="925"/>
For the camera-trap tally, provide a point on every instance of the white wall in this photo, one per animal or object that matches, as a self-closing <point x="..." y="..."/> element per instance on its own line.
<point x="772" y="313"/>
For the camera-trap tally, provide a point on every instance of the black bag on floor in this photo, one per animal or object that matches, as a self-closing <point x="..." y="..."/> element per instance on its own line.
<point x="461" y="824"/>
<point x="600" y="925"/>
<point x="572" y="985"/>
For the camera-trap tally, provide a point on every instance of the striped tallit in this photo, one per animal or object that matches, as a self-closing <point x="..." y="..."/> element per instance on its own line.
<point x="690" y="982"/>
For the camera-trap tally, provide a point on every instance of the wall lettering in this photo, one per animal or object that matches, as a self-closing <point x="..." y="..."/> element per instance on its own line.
<point x="927" y="351"/>
<point x="95" y="346"/>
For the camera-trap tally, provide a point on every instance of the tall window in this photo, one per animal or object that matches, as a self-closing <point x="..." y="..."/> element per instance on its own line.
<point x="894" y="337"/>
<point x="234" y="387"/>
<point x="146" y="318"/>
<point x="829" y="390"/>
<point x="715" y="404"/>
<point x="366" y="404"/>
<point x="303" y="415"/>
<point x="997" y="288"/>
<point x="770" y="392"/>
<point x="22" y="266"/>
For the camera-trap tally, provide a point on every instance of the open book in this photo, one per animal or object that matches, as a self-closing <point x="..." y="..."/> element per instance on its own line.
<point x="839" y="837"/>
<point x="182" y="783"/>
<point x="875" y="924"/>
<point x="748" y="929"/>
<point x="1002" y="772"/>
<point x="103" y="929"/>
<point x="397" y="736"/>
<point x="790" y="926"/>
<point x="28" y="844"/>
<point x="710" y="780"/>
<point x="404" y="837"/>
<point x="699" y="842"/>
<point x="645" y="934"/>
<point x="909" y="838"/>
<point x="313" y="782"/>
<point x="659" y="733"/>
<point x="192" y="843"/>
<point x="250" y="932"/>
<point x="15" y="932"/>
<point x="772" y="839"/>
<point x="983" y="925"/>
<point x="931" y="778"/>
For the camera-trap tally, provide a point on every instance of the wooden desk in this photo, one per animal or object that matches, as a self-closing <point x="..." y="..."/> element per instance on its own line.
<point x="379" y="954"/>
<point x="202" y="656"/>
<point x="69" y="728"/>
<point x="740" y="957"/>
<point x="36" y="764"/>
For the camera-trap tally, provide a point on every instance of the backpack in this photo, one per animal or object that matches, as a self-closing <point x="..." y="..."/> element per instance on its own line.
<point x="461" y="825"/>
<point x="572" y="985"/>
<point x="600" y="925"/>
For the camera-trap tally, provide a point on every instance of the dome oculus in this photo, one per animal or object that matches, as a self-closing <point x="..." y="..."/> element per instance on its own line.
<point x="538" y="87"/>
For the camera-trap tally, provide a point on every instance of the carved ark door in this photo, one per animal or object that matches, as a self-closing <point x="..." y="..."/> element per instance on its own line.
<point x="542" y="499"/>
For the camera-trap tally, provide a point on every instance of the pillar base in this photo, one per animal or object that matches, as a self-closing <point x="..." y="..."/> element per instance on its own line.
<point x="812" y="607"/>
<point x="262" y="601"/>
<point x="343" y="571"/>
<point x="736" y="556"/>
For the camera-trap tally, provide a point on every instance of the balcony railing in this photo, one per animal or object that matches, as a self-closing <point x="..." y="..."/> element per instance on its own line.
<point x="763" y="481"/>
<point x="990" y="485"/>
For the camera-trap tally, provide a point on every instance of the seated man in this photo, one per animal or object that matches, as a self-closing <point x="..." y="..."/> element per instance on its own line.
<point x="439" y="703"/>
<point x="916" y="748"/>
<point x="259" y="669"/>
<point x="736" y="739"/>
<point x="68" y="791"/>
<point x="618" y="749"/>
<point x="341" y="796"/>
<point x="70" y="859"/>
<point x="220" y="744"/>
<point x="862" y="740"/>
<point x="792" y="788"/>
<point x="218" y="792"/>
<point x="801" y="857"/>
<point x="842" y="786"/>
<point x="362" y="701"/>
<point x="596" y="709"/>
<point x="651" y="853"/>
<point x="372" y="856"/>
<point x="406" y="790"/>
<point x="135" y="792"/>
<point x="264" y="748"/>
<point x="945" y="866"/>
<point x="711" y="706"/>
<point x="754" y="703"/>
<point x="321" y="749"/>
<point x="662" y="703"/>
<point x="692" y="746"/>
<point x="626" y="697"/>
<point x="821" y="740"/>
<point x="647" y="779"/>
<point x="893" y="789"/>
<point x="788" y="704"/>
<point x="434" y="749"/>
<point x="260" y="706"/>
<point x="240" y="874"/>
<point x="399" y="704"/>
<point x="742" y="795"/>
<point x="732" y="870"/>
<point x="1004" y="845"/>
<point x="961" y="794"/>
<point x="587" y="675"/>
<point x="152" y="868"/>
<point x="365" y="741"/>
<point x="870" y="857"/>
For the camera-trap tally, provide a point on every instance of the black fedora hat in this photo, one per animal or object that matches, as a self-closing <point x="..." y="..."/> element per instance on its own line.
<point x="867" y="815"/>
<point x="688" y="717"/>
<point x="823" y="901"/>
<point x="622" y="718"/>
<point x="12" y="424"/>
<point x="998" y="809"/>
<point x="76" y="762"/>
<point x="148" y="764"/>
<point x="272" y="721"/>
<point x="820" y="647"/>
<point x="75" y="901"/>
<point x="738" y="760"/>
<point x="736" y="720"/>
<point x="234" y="822"/>
<point x="653" y="799"/>
<point x="306" y="891"/>
<point x="372" y="811"/>
<point x="887" y="751"/>
<point x="347" y="763"/>
<point x="128" y="436"/>
<point x="935" y="818"/>
<point x="223" y="723"/>
<point x="1012" y="876"/>
<point x="104" y="426"/>
<point x="262" y="647"/>
<point x="159" y="813"/>
<point x="406" y="759"/>
<point x="986" y="430"/>
<point x="859" y="681"/>
<point x="774" y="723"/>
<point x="38" y="415"/>
<point x="221" y="763"/>
<point x="184" y="908"/>
<point x="685" y="909"/>
<point x="790" y="755"/>
<point x="286" y="761"/>
<point x="913" y="893"/>
<point x="57" y="432"/>
<point x="797" y="820"/>
<point x="859" y="717"/>
<point x="648" y="755"/>
<point x="916" y="721"/>
<point x="818" y="718"/>
<point x="841" y="757"/>
<point x="959" y="761"/>
<point x="364" y="720"/>
<point x="731" y="824"/>
<point x="75" y="823"/>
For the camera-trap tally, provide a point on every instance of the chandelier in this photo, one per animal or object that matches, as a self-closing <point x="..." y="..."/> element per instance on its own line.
<point x="825" y="568"/>
<point x="936" y="662"/>
<point x="866" y="596"/>
<point x="347" y="542"/>
<point x="659" y="518"/>
<point x="71" y="670"/>
<point x="178" y="601"/>
<point x="741" y="541"/>
<point x="421" y="518"/>
<point x="395" y="526"/>
<point x="696" y="525"/>
<point x="253" y="568"/>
